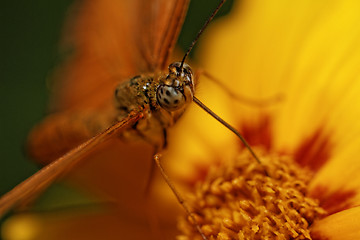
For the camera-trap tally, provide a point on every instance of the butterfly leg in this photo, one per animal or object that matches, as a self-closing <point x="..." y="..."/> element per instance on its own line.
<point x="250" y="101"/>
<point x="179" y="198"/>
<point x="152" y="167"/>
<point x="157" y="156"/>
<point x="157" y="149"/>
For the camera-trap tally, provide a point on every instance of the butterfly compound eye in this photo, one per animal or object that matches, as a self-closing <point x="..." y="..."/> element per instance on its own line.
<point x="177" y="89"/>
<point x="170" y="98"/>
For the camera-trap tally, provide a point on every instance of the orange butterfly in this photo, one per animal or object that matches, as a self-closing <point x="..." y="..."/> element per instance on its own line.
<point x="112" y="44"/>
<point x="113" y="41"/>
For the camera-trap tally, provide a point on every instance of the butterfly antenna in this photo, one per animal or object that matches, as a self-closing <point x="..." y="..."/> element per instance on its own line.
<point x="201" y="31"/>
<point x="228" y="126"/>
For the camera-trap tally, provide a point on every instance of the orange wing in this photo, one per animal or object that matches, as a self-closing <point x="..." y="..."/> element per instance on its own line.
<point x="111" y="41"/>
<point x="43" y="178"/>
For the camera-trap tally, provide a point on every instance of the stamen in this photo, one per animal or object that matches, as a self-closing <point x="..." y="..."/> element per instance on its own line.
<point x="239" y="201"/>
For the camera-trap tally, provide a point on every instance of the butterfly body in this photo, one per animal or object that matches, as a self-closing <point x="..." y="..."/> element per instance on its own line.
<point x="161" y="97"/>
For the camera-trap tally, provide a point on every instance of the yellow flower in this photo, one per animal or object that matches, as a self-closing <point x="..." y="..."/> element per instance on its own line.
<point x="309" y="52"/>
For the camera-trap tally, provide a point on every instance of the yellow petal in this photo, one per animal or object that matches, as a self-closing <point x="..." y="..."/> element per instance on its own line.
<point x="342" y="226"/>
<point x="337" y="185"/>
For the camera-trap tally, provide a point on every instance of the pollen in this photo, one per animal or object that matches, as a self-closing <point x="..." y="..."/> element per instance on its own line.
<point x="248" y="200"/>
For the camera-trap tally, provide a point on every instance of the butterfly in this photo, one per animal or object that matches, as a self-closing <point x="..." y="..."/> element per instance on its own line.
<point x="111" y="42"/>
<point x="116" y="83"/>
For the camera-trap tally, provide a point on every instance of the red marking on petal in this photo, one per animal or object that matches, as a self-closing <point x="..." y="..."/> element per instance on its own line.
<point x="314" y="151"/>
<point x="333" y="202"/>
<point x="201" y="171"/>
<point x="316" y="235"/>
<point x="258" y="133"/>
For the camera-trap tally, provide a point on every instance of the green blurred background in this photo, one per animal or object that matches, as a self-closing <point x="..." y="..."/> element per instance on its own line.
<point x="30" y="31"/>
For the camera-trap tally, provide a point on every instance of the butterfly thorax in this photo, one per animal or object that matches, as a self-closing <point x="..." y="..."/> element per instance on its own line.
<point x="161" y="97"/>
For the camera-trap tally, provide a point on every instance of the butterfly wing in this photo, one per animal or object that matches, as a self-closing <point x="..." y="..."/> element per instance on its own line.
<point x="44" y="177"/>
<point x="162" y="24"/>
<point x="111" y="41"/>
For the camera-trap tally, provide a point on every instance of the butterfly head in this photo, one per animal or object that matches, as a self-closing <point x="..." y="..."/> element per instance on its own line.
<point x="177" y="89"/>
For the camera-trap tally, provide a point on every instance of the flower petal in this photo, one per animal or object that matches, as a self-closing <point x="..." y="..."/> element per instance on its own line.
<point x="342" y="225"/>
<point x="337" y="185"/>
<point x="306" y="51"/>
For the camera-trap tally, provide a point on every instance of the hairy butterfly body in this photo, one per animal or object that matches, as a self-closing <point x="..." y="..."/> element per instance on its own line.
<point x="161" y="97"/>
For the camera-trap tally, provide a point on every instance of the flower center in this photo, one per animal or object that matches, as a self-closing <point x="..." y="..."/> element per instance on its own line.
<point x="246" y="200"/>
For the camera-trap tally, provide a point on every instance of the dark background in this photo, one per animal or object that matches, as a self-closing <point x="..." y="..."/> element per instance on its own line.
<point x="29" y="36"/>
